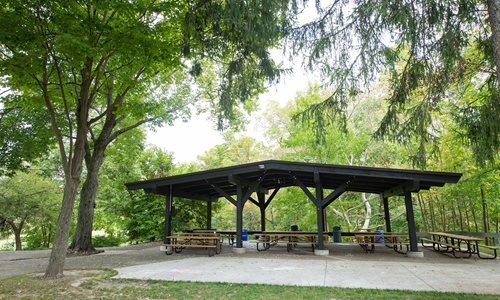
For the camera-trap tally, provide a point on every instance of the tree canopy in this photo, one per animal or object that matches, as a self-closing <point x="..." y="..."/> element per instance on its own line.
<point x="423" y="49"/>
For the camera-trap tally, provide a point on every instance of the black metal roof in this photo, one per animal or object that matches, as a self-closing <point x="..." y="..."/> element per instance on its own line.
<point x="276" y="173"/>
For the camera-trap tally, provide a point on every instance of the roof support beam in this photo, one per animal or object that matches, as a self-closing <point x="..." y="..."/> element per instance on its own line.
<point x="223" y="193"/>
<point x="306" y="191"/>
<point x="254" y="201"/>
<point x="335" y="194"/>
<point x="271" y="197"/>
<point x="409" y="186"/>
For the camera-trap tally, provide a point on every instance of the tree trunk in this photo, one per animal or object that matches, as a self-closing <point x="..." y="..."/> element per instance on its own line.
<point x="72" y="173"/>
<point x="49" y="236"/>
<point x="474" y="218"/>
<point x="82" y="241"/>
<point x="455" y="219"/>
<point x="494" y="20"/>
<point x="460" y="216"/>
<point x="498" y="228"/>
<point x="58" y="253"/>
<point x="422" y="211"/>
<point x="433" y="217"/>
<point x="442" y="212"/>
<point x="19" y="245"/>
<point x="467" y="218"/>
<point x="368" y="212"/>
<point x="485" y="214"/>
<point x="17" y="233"/>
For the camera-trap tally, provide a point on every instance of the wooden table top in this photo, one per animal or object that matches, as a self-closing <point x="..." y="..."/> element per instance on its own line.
<point x="457" y="236"/>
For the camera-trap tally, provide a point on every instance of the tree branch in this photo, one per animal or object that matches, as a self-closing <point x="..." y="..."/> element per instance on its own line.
<point x="117" y="133"/>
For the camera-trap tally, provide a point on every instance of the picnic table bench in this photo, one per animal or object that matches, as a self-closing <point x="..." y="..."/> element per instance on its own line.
<point x="460" y="246"/>
<point x="395" y="240"/>
<point x="181" y="241"/>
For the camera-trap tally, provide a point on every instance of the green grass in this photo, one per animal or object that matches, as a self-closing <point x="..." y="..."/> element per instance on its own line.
<point x="98" y="284"/>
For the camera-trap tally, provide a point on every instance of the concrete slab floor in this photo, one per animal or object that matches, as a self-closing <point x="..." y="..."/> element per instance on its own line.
<point x="346" y="266"/>
<point x="409" y="275"/>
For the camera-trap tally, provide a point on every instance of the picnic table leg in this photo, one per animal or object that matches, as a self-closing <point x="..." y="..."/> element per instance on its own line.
<point x="218" y="247"/>
<point x="483" y="257"/>
<point x="177" y="248"/>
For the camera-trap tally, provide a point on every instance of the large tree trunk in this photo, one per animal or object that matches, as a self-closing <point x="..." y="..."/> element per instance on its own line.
<point x="58" y="253"/>
<point x="82" y="241"/>
<point x="494" y="19"/>
<point x="72" y="173"/>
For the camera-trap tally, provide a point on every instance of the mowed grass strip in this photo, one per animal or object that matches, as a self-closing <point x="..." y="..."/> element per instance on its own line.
<point x="98" y="284"/>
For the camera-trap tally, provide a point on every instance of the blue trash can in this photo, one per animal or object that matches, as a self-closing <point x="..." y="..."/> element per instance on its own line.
<point x="244" y="236"/>
<point x="337" y="234"/>
<point x="379" y="237"/>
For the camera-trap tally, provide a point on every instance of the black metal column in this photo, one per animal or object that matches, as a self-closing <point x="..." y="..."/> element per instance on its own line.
<point x="411" y="222"/>
<point x="387" y="215"/>
<point x="167" y="229"/>
<point x="209" y="214"/>
<point x="239" y="217"/>
<point x="262" y="207"/>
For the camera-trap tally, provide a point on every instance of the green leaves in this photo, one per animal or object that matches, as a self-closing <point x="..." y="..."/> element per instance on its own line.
<point x="24" y="134"/>
<point x="420" y="45"/>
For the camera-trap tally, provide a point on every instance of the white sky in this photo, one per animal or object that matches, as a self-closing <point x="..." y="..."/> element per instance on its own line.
<point x="188" y="140"/>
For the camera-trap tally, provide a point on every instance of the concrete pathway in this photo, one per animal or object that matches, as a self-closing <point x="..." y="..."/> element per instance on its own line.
<point x="404" y="275"/>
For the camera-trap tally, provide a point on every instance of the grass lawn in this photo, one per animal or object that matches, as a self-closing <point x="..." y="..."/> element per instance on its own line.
<point x="83" y="284"/>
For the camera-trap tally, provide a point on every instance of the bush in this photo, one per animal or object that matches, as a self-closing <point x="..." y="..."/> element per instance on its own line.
<point x="110" y="240"/>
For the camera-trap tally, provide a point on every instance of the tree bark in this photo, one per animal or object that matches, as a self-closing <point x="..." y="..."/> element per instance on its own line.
<point x="58" y="253"/>
<point x="82" y="241"/>
<point x="494" y="20"/>
<point x="17" y="234"/>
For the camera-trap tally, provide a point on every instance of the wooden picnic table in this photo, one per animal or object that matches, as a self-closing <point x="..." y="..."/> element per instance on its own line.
<point x="290" y="238"/>
<point x="394" y="240"/>
<point x="461" y="246"/>
<point x="180" y="241"/>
